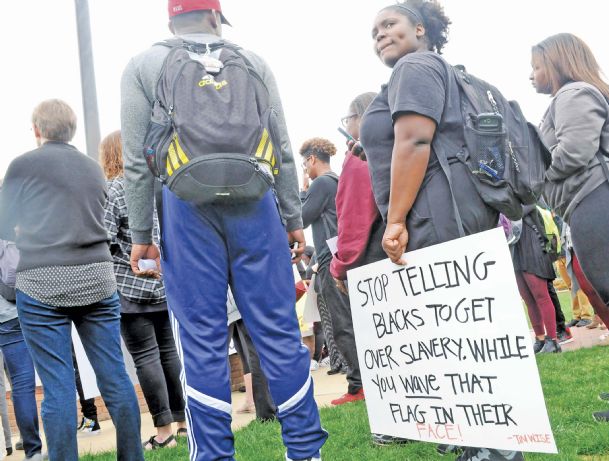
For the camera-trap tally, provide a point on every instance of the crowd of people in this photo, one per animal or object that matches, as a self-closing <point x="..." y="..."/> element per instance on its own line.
<point x="180" y="264"/>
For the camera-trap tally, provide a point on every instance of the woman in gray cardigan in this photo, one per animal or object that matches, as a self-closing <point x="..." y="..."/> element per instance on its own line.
<point x="576" y="129"/>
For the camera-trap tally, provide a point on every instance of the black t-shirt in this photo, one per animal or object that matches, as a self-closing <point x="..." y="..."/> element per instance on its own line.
<point x="421" y="83"/>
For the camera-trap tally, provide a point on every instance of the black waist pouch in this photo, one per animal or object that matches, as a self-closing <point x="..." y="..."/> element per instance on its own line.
<point x="220" y="178"/>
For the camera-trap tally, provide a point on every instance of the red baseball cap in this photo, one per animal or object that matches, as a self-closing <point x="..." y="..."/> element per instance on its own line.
<point x="186" y="6"/>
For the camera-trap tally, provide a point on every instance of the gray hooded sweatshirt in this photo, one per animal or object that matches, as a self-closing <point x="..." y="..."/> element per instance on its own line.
<point x="574" y="128"/>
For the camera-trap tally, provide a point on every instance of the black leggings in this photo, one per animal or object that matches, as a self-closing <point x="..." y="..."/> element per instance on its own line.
<point x="87" y="406"/>
<point x="149" y="339"/>
<point x="590" y="234"/>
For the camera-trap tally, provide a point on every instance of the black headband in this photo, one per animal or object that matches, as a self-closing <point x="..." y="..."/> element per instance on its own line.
<point x="415" y="13"/>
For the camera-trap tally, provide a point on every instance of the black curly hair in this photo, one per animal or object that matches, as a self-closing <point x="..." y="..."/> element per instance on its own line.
<point x="431" y="14"/>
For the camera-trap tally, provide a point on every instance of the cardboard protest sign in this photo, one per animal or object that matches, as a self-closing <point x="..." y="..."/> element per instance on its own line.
<point x="445" y="351"/>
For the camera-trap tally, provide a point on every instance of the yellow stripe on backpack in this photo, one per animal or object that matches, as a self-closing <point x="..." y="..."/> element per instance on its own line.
<point x="175" y="155"/>
<point x="263" y="139"/>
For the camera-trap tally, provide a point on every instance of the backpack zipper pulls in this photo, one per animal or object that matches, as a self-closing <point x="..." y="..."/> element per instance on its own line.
<point x="212" y="65"/>
<point x="492" y="101"/>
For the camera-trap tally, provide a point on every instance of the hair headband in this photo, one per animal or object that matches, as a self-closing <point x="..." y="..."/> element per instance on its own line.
<point x="415" y="13"/>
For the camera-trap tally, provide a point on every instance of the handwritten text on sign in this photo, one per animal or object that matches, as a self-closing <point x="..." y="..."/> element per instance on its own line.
<point x="445" y="351"/>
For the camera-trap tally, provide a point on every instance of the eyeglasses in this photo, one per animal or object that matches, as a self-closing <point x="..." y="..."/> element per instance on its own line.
<point x="345" y="120"/>
<point x="305" y="161"/>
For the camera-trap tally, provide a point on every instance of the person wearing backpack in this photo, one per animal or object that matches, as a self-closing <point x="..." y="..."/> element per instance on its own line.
<point x="576" y="128"/>
<point x="319" y="212"/>
<point x="422" y="101"/>
<point x="412" y="127"/>
<point x="205" y="118"/>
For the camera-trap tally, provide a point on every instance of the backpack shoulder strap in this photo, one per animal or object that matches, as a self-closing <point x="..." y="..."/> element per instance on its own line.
<point x="170" y="43"/>
<point x="464" y="82"/>
<point x="248" y="64"/>
<point x="446" y="169"/>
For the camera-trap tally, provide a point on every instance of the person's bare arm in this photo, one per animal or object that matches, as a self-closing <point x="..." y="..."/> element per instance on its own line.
<point x="411" y="150"/>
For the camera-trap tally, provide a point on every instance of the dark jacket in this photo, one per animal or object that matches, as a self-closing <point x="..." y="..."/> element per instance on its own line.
<point x="319" y="212"/>
<point x="55" y="195"/>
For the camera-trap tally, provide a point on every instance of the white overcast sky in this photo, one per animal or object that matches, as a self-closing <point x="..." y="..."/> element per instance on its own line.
<point x="320" y="51"/>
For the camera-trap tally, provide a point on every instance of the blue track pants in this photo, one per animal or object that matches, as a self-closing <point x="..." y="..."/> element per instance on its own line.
<point x="204" y="250"/>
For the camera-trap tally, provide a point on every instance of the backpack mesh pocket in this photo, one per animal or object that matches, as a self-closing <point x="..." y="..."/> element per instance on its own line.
<point x="487" y="155"/>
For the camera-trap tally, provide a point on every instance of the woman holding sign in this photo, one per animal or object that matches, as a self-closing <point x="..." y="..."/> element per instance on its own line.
<point x="576" y="128"/>
<point x="415" y="112"/>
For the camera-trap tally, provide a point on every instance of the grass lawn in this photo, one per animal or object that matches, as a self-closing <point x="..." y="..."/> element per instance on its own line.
<point x="571" y="383"/>
<point x="565" y="302"/>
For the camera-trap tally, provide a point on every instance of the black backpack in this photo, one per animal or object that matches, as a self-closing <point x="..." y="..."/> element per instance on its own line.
<point x="211" y="137"/>
<point x="502" y="150"/>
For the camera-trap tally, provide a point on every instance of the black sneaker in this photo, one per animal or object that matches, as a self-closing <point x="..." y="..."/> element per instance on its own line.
<point x="583" y="323"/>
<point x="487" y="454"/>
<point x="538" y="345"/>
<point x="19" y="445"/>
<point x="572" y="323"/>
<point x="9" y="451"/>
<point x="88" y="427"/>
<point x="601" y="416"/>
<point x="446" y="449"/>
<point x="604" y="396"/>
<point x="382" y="439"/>
<point x="550" y="346"/>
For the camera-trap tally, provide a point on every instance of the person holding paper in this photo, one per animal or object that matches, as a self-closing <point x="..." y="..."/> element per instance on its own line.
<point x="415" y="118"/>
<point x="319" y="211"/>
<point x="145" y="324"/>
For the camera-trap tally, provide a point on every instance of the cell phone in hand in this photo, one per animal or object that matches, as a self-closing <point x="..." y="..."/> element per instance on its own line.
<point x="294" y="246"/>
<point x="346" y="135"/>
<point x="356" y="148"/>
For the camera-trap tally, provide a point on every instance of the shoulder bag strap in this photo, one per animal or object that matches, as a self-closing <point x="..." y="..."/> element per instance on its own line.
<point x="602" y="157"/>
<point x="158" y="199"/>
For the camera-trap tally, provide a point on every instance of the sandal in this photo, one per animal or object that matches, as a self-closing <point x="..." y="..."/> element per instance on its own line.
<point x="182" y="432"/>
<point x="153" y="444"/>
